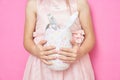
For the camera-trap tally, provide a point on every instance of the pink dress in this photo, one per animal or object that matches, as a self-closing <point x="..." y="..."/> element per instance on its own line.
<point x="35" y="68"/>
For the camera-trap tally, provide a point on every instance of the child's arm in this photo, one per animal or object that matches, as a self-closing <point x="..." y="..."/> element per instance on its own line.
<point x="86" y="22"/>
<point x="30" y="19"/>
<point x="36" y="50"/>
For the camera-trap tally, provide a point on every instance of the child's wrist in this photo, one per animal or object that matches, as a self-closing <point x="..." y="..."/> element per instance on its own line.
<point x="35" y="50"/>
<point x="81" y="51"/>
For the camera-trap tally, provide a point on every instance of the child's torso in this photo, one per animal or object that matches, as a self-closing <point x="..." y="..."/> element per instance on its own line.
<point x="60" y="11"/>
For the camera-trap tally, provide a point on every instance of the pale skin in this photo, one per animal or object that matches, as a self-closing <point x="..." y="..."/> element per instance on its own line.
<point x="68" y="55"/>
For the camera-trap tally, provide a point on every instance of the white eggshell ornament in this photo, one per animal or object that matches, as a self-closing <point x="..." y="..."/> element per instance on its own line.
<point x="59" y="37"/>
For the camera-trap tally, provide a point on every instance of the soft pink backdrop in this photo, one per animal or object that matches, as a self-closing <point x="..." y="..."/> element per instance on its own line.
<point x="105" y="56"/>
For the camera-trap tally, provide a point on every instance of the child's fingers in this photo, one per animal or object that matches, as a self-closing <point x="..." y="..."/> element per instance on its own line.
<point x="68" y="62"/>
<point x="73" y="42"/>
<point x="66" y="49"/>
<point x="42" y="42"/>
<point x="48" y="57"/>
<point x="47" y="48"/>
<point x="64" y="58"/>
<point x="67" y="54"/>
<point x="50" y="52"/>
<point x="46" y="62"/>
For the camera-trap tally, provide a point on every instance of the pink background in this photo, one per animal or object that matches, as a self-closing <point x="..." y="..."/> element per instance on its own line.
<point x="105" y="56"/>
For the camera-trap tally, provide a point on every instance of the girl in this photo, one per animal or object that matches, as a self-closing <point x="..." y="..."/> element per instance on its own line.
<point x="35" y="25"/>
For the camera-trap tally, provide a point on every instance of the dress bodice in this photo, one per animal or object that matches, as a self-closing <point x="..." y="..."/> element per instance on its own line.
<point x="60" y="10"/>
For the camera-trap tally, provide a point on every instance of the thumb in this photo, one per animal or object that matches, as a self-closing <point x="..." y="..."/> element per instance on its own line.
<point x="73" y="42"/>
<point x="42" y="42"/>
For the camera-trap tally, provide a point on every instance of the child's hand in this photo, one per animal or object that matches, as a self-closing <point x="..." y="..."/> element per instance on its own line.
<point x="45" y="51"/>
<point x="70" y="55"/>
